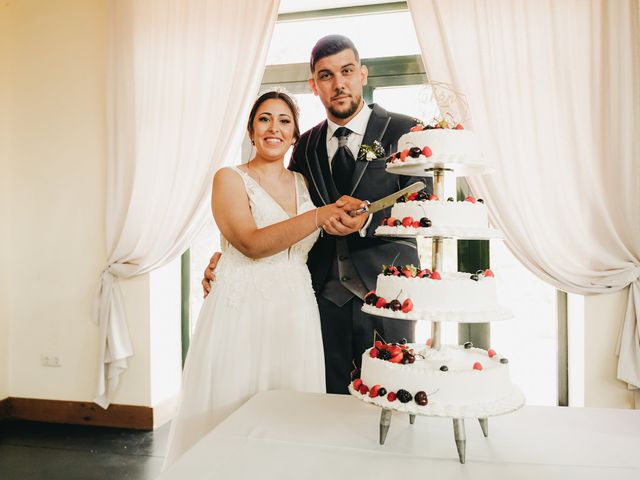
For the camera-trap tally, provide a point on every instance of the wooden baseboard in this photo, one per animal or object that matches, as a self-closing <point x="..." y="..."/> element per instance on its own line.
<point x="4" y="409"/>
<point x="78" y="413"/>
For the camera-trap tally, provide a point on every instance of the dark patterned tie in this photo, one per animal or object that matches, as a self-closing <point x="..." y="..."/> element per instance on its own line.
<point x="343" y="163"/>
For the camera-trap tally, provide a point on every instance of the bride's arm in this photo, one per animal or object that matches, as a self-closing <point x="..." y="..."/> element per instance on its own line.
<point x="230" y="207"/>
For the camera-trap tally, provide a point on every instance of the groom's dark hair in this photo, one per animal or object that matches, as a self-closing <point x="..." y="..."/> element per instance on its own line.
<point x="330" y="45"/>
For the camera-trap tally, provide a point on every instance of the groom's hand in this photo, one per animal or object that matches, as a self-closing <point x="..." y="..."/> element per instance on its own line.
<point x="345" y="223"/>
<point x="350" y="204"/>
<point x="209" y="273"/>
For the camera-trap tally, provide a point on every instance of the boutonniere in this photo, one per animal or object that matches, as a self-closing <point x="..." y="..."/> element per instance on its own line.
<point x="371" y="152"/>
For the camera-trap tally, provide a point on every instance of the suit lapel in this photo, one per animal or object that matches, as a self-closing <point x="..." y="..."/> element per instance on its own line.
<point x="376" y="127"/>
<point x="316" y="156"/>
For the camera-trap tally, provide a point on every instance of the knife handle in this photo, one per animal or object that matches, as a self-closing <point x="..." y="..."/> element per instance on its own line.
<point x="355" y="213"/>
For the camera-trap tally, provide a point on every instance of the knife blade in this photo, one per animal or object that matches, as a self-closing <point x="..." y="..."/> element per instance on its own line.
<point x="387" y="201"/>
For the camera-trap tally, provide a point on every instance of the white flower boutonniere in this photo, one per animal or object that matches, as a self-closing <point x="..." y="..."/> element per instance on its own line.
<point x="371" y="152"/>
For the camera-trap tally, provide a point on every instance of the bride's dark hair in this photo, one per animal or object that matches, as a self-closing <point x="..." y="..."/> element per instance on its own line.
<point x="275" y="95"/>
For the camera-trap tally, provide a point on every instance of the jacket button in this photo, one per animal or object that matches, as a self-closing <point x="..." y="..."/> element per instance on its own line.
<point x="342" y="258"/>
<point x="345" y="279"/>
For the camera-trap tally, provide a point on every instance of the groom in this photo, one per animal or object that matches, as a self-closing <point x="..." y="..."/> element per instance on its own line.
<point x="346" y="260"/>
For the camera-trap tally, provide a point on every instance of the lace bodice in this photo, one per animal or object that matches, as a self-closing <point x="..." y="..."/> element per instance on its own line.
<point x="266" y="211"/>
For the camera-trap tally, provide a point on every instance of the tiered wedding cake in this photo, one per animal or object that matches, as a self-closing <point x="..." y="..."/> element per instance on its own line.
<point x="434" y="379"/>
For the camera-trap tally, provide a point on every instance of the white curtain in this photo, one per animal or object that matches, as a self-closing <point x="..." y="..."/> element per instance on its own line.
<point x="182" y="77"/>
<point x="554" y="91"/>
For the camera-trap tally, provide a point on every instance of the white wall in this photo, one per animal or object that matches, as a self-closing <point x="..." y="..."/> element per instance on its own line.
<point x="603" y="319"/>
<point x="165" y="347"/>
<point x="57" y="248"/>
<point x="58" y="195"/>
<point x="5" y="180"/>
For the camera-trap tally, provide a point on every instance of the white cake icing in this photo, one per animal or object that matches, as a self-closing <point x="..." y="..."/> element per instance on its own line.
<point x="443" y="213"/>
<point x="454" y="292"/>
<point x="457" y="150"/>
<point x="462" y="219"/>
<point x="459" y="391"/>
<point x="447" y="145"/>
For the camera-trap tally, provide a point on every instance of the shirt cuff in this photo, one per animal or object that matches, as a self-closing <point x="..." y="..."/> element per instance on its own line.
<point x="363" y="230"/>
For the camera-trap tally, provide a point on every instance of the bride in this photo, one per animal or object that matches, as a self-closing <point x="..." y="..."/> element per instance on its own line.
<point x="260" y="328"/>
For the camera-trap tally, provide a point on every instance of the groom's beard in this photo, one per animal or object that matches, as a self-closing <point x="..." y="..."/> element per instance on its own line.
<point x="350" y="110"/>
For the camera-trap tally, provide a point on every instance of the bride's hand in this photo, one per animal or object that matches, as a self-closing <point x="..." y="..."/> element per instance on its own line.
<point x="326" y="213"/>
<point x="336" y="220"/>
<point x="349" y="204"/>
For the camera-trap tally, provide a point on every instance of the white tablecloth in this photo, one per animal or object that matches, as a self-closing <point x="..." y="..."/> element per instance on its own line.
<point x="288" y="435"/>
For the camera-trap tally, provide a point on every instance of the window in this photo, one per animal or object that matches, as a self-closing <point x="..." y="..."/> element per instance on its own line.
<point x="397" y="81"/>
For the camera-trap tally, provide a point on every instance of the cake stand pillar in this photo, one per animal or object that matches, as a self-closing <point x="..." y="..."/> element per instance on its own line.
<point x="437" y="255"/>
<point x="436" y="266"/>
<point x="461" y="438"/>
<point x="438" y="182"/>
<point x="412" y="418"/>
<point x="385" y="422"/>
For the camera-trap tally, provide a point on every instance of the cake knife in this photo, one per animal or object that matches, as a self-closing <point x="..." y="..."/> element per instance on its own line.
<point x="388" y="201"/>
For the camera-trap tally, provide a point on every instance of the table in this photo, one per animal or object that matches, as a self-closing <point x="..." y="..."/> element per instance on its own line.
<point x="290" y="435"/>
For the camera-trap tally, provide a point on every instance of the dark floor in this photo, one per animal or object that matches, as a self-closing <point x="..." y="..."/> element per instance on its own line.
<point x="41" y="451"/>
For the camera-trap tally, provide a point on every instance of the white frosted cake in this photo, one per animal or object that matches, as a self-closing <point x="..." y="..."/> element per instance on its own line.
<point x="413" y="294"/>
<point x="453" y="381"/>
<point x="469" y="213"/>
<point x="445" y="144"/>
<point x="454" y="291"/>
<point x="450" y="148"/>
<point x="416" y="215"/>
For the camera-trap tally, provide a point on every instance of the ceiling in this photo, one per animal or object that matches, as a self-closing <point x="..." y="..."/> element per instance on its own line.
<point x="289" y="6"/>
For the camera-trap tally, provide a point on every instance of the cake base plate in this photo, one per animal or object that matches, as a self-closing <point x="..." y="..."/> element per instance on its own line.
<point x="420" y="167"/>
<point x="502" y="406"/>
<point x="485" y="316"/>
<point x="464" y="233"/>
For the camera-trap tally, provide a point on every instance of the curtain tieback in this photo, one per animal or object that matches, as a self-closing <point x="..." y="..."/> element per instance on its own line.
<point x="621" y="278"/>
<point x="99" y="307"/>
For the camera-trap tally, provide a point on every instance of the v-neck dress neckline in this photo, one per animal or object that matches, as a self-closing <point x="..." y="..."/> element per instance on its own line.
<point x="264" y="190"/>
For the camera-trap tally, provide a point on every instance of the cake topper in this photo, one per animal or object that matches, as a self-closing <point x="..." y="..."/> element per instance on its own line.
<point x="451" y="103"/>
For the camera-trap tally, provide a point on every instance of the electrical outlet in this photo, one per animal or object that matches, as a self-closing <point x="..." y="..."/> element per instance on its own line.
<point x="47" y="360"/>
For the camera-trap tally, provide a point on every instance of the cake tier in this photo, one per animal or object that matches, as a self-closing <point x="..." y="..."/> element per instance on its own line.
<point x="454" y="292"/>
<point x="455" y="297"/>
<point x="455" y="150"/>
<point x="473" y="384"/>
<point x="443" y="213"/>
<point x="448" y="219"/>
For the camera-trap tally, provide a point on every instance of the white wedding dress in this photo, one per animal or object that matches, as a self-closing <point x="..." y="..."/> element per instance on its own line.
<point x="258" y="330"/>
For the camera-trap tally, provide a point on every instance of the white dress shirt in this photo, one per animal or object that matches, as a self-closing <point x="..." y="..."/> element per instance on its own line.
<point x="357" y="125"/>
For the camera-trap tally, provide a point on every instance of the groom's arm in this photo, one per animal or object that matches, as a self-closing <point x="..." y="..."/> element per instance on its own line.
<point x="209" y="273"/>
